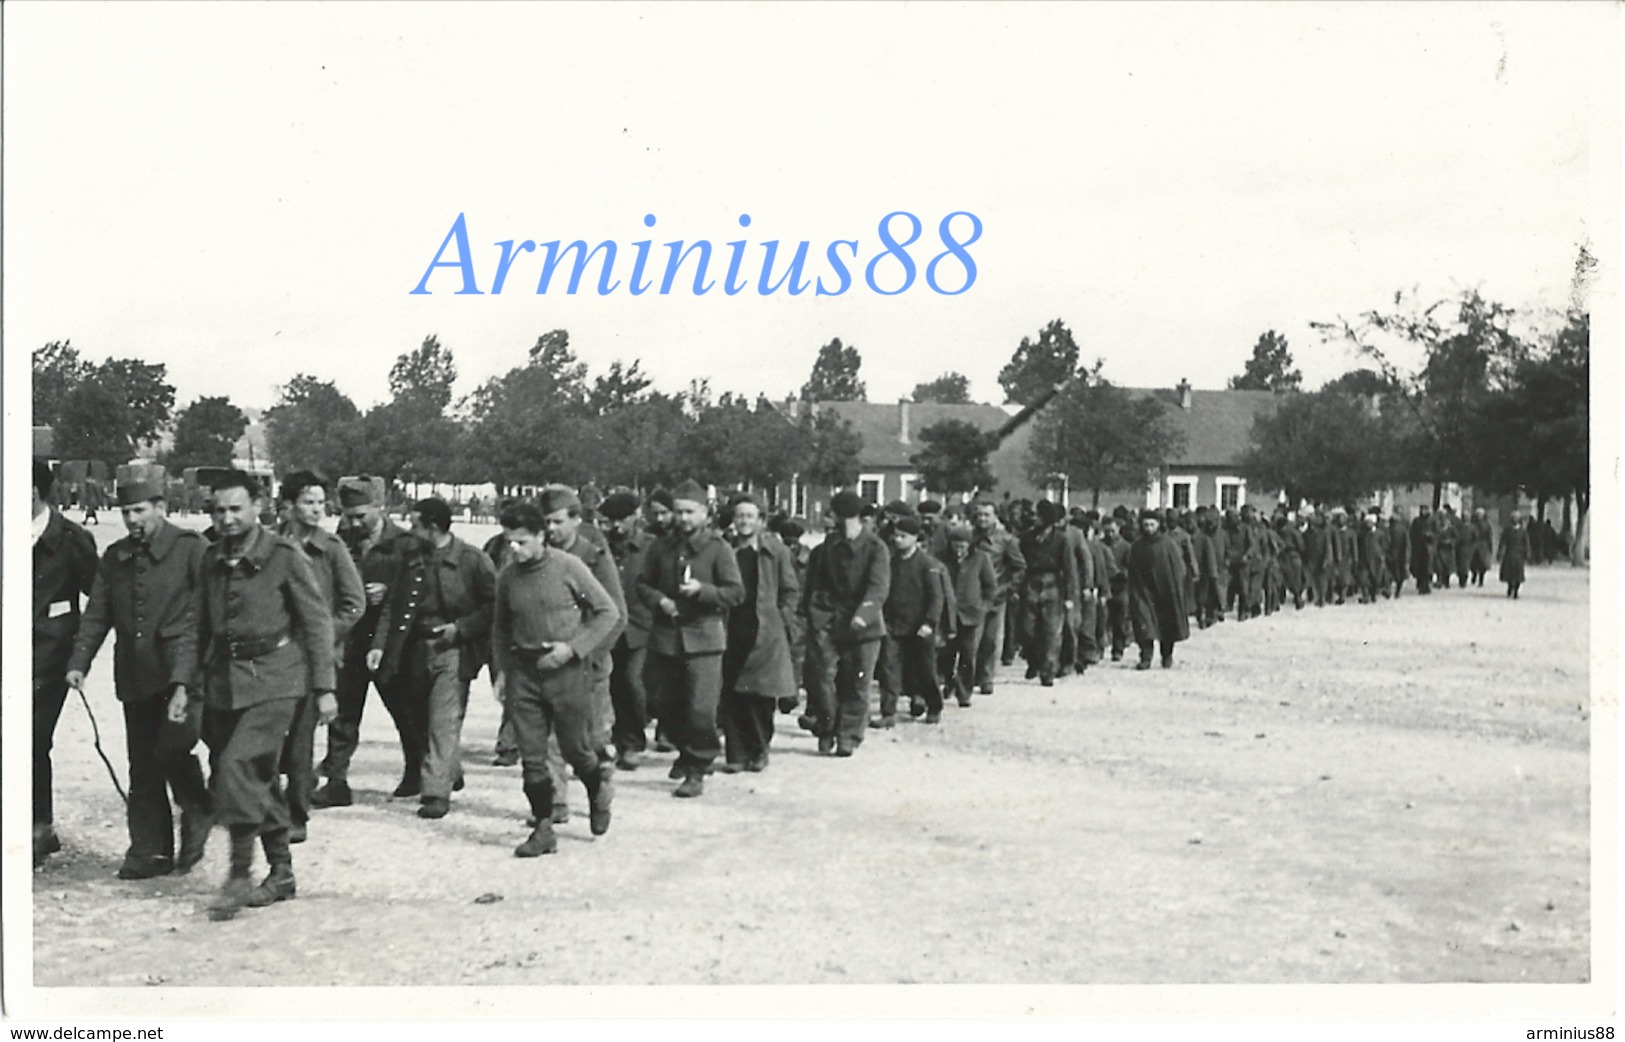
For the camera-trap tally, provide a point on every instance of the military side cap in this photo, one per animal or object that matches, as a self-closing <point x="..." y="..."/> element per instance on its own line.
<point x="846" y="504"/>
<point x="619" y="506"/>
<point x="361" y="491"/>
<point x="691" y="491"/>
<point x="140" y="482"/>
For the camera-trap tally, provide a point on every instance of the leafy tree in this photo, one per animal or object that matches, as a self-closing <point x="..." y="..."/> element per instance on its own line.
<point x="205" y="433"/>
<point x="144" y="390"/>
<point x="947" y="389"/>
<point x="58" y="369"/>
<point x="95" y="424"/>
<point x="1324" y="447"/>
<point x="1039" y="366"/>
<point x="313" y="425"/>
<point x="636" y="444"/>
<point x="622" y="386"/>
<point x="1101" y="438"/>
<point x="833" y="448"/>
<point x="1270" y="368"/>
<point x="424" y="377"/>
<point x="1360" y="382"/>
<point x="526" y="423"/>
<point x="835" y="375"/>
<point x="955" y="457"/>
<point x="1469" y="350"/>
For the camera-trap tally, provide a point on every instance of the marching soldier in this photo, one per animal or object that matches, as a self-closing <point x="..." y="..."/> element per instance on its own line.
<point x="305" y="497"/>
<point x="756" y="669"/>
<point x="1156" y="592"/>
<point x="1422" y="549"/>
<point x="550" y="614"/>
<point x="374" y="542"/>
<point x="628" y="697"/>
<point x="64" y="570"/>
<point x="1009" y="567"/>
<point x="1050" y="592"/>
<point x="265" y="641"/>
<point x="848" y="578"/>
<point x="690" y="579"/>
<point x="974" y="586"/>
<point x="913" y="612"/>
<point x="146" y="591"/>
<point x="431" y="640"/>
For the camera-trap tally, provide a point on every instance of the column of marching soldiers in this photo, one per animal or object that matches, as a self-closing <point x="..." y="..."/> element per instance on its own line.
<point x="597" y="620"/>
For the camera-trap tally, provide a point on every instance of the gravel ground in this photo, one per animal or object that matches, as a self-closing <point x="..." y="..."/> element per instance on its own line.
<point x="1397" y="793"/>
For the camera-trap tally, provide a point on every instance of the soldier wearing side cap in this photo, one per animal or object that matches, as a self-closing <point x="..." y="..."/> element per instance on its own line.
<point x="375" y="545"/>
<point x="146" y="592"/>
<point x="690" y="580"/>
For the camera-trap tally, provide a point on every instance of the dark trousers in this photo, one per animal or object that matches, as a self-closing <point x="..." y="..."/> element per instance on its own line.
<point x="1078" y="648"/>
<point x="838" y="685"/>
<point x="1237" y="591"/>
<point x="630" y="732"/>
<point x="685" y="690"/>
<point x="1145" y="650"/>
<point x="956" y="661"/>
<point x="49" y="695"/>
<point x="556" y="703"/>
<point x="913" y="659"/>
<point x="988" y="650"/>
<point x="1117" y="620"/>
<point x="156" y="771"/>
<point x="747" y="725"/>
<point x="1012" y="629"/>
<point x="245" y="754"/>
<point x="299" y="760"/>
<point x="1444" y="563"/>
<point x="411" y="716"/>
<point x="1209" y="604"/>
<point x="1043" y="615"/>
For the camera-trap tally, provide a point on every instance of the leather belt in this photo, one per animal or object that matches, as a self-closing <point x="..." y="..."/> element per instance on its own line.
<point x="255" y="647"/>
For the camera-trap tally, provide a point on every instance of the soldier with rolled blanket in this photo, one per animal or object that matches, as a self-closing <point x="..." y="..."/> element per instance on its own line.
<point x="265" y="642"/>
<point x="304" y="495"/>
<point x="550" y="614"/>
<point x="690" y="580"/>
<point x="756" y="668"/>
<point x="146" y="591"/>
<point x="848" y="579"/>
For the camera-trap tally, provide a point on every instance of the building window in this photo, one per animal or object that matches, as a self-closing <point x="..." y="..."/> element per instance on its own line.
<point x="905" y="487"/>
<point x="1182" y="492"/>
<point x="1232" y="493"/>
<point x="870" y="487"/>
<point x="798" y="496"/>
<point x="1055" y="490"/>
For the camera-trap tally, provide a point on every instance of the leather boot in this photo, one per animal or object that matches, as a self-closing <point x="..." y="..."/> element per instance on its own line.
<point x="541" y="841"/>
<point x="600" y="793"/>
<point x="277" y="886"/>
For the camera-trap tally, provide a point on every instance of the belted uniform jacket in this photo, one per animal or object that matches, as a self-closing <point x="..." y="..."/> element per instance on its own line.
<point x="148" y="594"/>
<point x="264" y="630"/>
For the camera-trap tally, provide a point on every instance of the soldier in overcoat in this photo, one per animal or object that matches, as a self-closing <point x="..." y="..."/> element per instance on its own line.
<point x="756" y="668"/>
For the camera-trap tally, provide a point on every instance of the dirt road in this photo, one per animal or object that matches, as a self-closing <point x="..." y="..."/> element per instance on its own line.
<point x="1355" y="794"/>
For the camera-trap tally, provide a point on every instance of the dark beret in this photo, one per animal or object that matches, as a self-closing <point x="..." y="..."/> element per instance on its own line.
<point x="1049" y="512"/>
<point x="619" y="506"/>
<point x="907" y="523"/>
<point x="846" y="504"/>
<point x="662" y="497"/>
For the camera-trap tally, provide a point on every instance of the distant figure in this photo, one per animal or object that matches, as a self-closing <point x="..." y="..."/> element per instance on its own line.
<point x="1156" y="592"/>
<point x="1514" y="553"/>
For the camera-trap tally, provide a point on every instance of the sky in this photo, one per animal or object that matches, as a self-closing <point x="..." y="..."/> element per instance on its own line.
<point x="247" y="192"/>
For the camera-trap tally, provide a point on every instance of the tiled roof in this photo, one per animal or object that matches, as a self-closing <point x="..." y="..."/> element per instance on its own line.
<point x="880" y="424"/>
<point x="1218" y="427"/>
